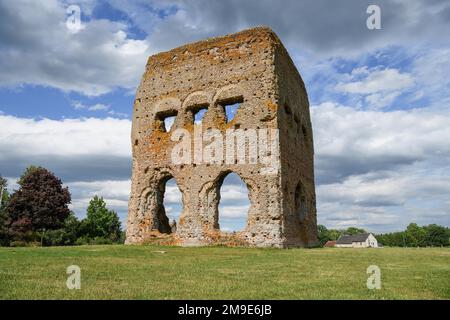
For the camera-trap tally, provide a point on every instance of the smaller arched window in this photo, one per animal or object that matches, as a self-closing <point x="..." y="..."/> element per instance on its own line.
<point x="166" y="119"/>
<point x="198" y="112"/>
<point x="231" y="106"/>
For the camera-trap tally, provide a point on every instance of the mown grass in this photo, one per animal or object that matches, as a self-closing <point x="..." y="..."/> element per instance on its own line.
<point x="143" y="272"/>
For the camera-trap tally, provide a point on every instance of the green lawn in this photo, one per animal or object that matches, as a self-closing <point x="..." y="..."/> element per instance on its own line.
<point x="141" y="272"/>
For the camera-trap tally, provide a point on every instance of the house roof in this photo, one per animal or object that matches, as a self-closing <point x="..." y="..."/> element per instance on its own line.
<point x="329" y="243"/>
<point x="348" y="239"/>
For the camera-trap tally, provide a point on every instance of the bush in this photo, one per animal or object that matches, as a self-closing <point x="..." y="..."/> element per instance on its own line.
<point x="57" y="237"/>
<point x="24" y="244"/>
<point x="101" y="222"/>
<point x="85" y="240"/>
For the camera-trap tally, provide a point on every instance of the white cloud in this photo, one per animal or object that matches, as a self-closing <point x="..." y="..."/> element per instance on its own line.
<point x="431" y="70"/>
<point x="21" y="137"/>
<point x="234" y="212"/>
<point x="379" y="87"/>
<point x="75" y="149"/>
<point x="37" y="48"/>
<point x="433" y="66"/>
<point x="96" y="107"/>
<point x="117" y="114"/>
<point x="233" y="193"/>
<point x="386" y="203"/>
<point x="381" y="170"/>
<point x="172" y="195"/>
<point x="114" y="192"/>
<point x="113" y="189"/>
<point x="79" y="206"/>
<point x="316" y="28"/>
<point x="380" y="100"/>
<point x="377" y="81"/>
<point x="417" y="134"/>
<point x="426" y="83"/>
<point x="390" y="189"/>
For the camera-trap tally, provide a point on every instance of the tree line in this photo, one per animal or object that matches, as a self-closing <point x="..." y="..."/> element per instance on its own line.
<point x="38" y="214"/>
<point x="432" y="235"/>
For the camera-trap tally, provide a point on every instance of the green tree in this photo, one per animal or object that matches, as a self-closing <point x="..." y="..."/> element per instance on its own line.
<point x="436" y="235"/>
<point x="415" y="235"/>
<point x="67" y="235"/>
<point x="4" y="195"/>
<point x="334" y="234"/>
<point x="72" y="228"/>
<point x="353" y="230"/>
<point x="322" y="234"/>
<point x="101" y="222"/>
<point x="3" y="190"/>
<point x="393" y="239"/>
<point x="4" y="200"/>
<point x="40" y="203"/>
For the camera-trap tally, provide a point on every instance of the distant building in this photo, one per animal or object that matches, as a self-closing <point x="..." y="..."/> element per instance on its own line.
<point x="362" y="240"/>
<point x="330" y="244"/>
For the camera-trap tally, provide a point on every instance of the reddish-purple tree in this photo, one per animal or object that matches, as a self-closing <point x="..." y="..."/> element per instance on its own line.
<point x="40" y="203"/>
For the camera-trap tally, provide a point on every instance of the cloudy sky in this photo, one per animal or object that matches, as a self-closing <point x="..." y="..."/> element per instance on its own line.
<point x="380" y="99"/>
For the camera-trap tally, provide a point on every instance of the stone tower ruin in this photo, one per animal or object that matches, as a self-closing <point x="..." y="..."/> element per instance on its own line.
<point x="250" y="68"/>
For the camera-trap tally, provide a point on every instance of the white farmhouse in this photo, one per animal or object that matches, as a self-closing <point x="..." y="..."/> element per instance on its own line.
<point x="362" y="240"/>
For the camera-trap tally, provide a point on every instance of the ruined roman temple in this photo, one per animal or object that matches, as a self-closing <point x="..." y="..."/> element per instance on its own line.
<point x="268" y="142"/>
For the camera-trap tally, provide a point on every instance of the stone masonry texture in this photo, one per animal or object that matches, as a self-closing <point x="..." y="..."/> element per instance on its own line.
<point x="251" y="68"/>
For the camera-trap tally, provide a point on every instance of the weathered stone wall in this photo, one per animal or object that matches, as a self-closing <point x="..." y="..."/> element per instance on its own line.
<point x="252" y="68"/>
<point x="297" y="154"/>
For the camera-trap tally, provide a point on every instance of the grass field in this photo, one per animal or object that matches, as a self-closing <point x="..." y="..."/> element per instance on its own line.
<point x="142" y="272"/>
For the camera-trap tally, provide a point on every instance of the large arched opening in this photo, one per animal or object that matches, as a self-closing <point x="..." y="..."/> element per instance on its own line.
<point x="170" y="205"/>
<point x="234" y="203"/>
<point x="173" y="203"/>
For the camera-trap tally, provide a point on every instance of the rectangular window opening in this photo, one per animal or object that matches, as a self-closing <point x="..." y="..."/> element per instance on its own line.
<point x="168" y="123"/>
<point x="167" y="119"/>
<point x="198" y="115"/>
<point x="231" y="107"/>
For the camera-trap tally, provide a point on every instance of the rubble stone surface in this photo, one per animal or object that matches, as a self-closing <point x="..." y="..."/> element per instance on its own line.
<point x="251" y="68"/>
